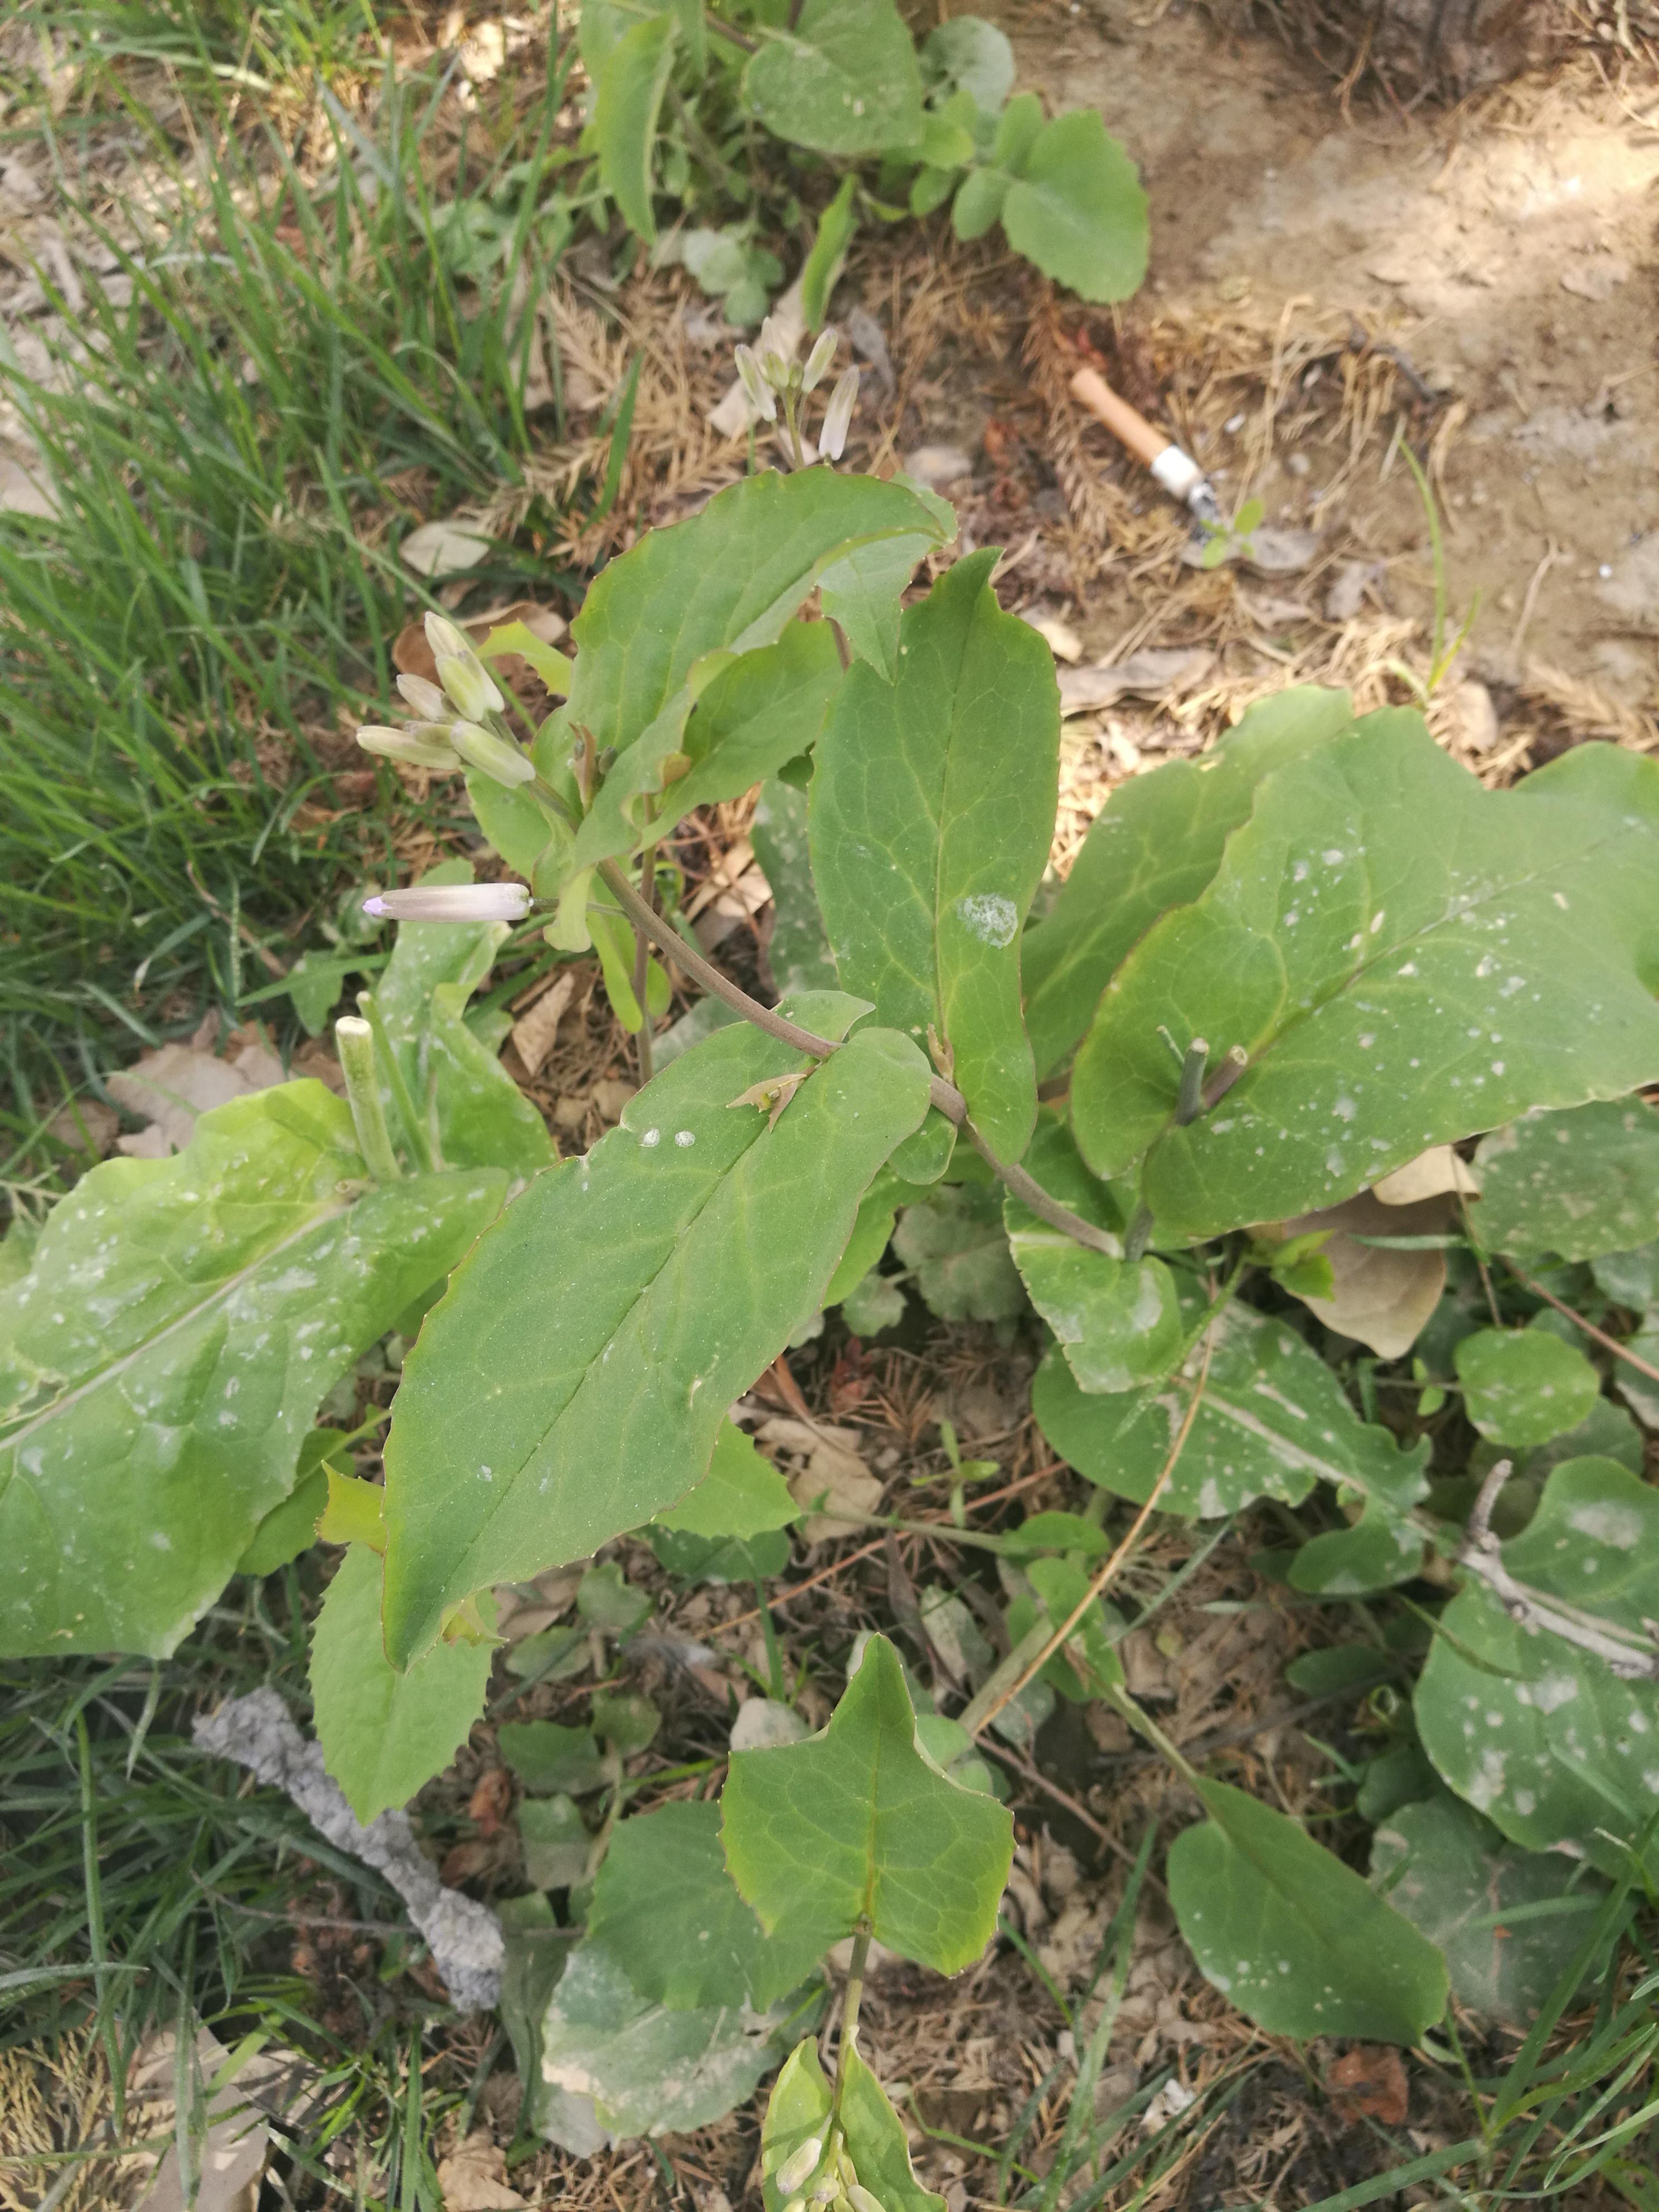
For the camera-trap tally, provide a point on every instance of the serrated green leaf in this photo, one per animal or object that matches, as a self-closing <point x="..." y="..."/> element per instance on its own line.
<point x="876" y="1301"/>
<point x="1534" y="1732"/>
<point x="572" y="1382"/>
<point x="625" y="1720"/>
<point x="670" y="1914"/>
<point x="1579" y="1184"/>
<point x="1272" y="1421"/>
<point x="932" y="811"/>
<point x="967" y="54"/>
<point x="1292" y="1936"/>
<point x="607" y="1601"/>
<point x="863" y="592"/>
<point x="719" y="1559"/>
<point x="474" y="1113"/>
<point x="837" y="228"/>
<point x="291" y="1528"/>
<point x="1524" y="1386"/>
<point x="1076" y="209"/>
<point x="649" y="2071"/>
<point x="555" y="1841"/>
<point x="979" y="201"/>
<point x="797" y="2110"/>
<point x="1155" y="845"/>
<point x="876" y="2141"/>
<point x="956" y="1250"/>
<point x="163" y="1362"/>
<point x="384" y="1734"/>
<point x="1018" y="128"/>
<point x="627" y="101"/>
<point x="1508" y="1923"/>
<point x="1382" y="1549"/>
<point x="856" y="1824"/>
<point x="1086" y="1665"/>
<point x="760" y="711"/>
<point x="741" y="1495"/>
<point x="1117" y="1320"/>
<point x="842" y="79"/>
<point x="549" y="1759"/>
<point x="727" y="579"/>
<point x="1407" y="958"/>
<point x="871" y="1234"/>
<point x="798" y="951"/>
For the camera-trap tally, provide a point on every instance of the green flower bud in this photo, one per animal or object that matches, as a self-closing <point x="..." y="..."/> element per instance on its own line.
<point x="818" y="361"/>
<point x="426" y="745"/>
<point x="469" y="685"/>
<point x="491" y="756"/>
<point x="427" y="700"/>
<point x="799" y="2166"/>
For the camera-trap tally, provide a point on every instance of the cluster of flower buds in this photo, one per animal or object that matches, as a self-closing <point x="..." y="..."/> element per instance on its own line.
<point x="768" y="373"/>
<point x="457" y="720"/>
<point x="838" y="2184"/>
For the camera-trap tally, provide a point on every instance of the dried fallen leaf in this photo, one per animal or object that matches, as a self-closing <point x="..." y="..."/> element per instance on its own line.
<point x="1431" y="1173"/>
<point x="535" y="1033"/>
<point x="491" y="1799"/>
<point x="1060" y="638"/>
<point x="443" y="549"/>
<point x="170" y="1086"/>
<point x="1149" y="674"/>
<point x="85" y="1124"/>
<point x="1381" y="1295"/>
<point x="473" y="2178"/>
<point x="828" y="1471"/>
<point x="1368" y="2083"/>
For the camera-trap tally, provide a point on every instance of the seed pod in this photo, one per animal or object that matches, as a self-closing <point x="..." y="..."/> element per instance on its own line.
<point x="491" y="756"/>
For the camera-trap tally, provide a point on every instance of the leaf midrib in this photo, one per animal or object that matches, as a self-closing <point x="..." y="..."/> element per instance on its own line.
<point x="113" y="1368"/>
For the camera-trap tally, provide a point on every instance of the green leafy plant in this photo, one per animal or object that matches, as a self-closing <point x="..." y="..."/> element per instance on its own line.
<point x="676" y="84"/>
<point x="1278" y="978"/>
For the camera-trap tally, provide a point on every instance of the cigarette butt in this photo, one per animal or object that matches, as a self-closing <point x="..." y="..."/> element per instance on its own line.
<point x="1128" y="426"/>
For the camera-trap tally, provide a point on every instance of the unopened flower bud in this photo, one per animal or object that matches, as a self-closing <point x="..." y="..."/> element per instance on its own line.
<point x="838" y="415"/>
<point x="491" y="756"/>
<point x="451" y="903"/>
<point x="757" y="390"/>
<point x="796" y="2205"/>
<point x="426" y="746"/>
<point x="799" y="2166"/>
<point x="818" y="361"/>
<point x="427" y="700"/>
<point x="775" y="353"/>
<point x="470" y="687"/>
<point x="862" y="2200"/>
<point x="443" y="637"/>
<point x="825" y="2191"/>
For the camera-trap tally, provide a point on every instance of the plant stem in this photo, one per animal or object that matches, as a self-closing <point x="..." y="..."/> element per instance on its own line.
<point x="642" y="959"/>
<point x="414" y="1135"/>
<point x="354" y="1040"/>
<point x="849" y="2025"/>
<point x="1189" y="1101"/>
<point x="1143" y="1724"/>
<point x="1608" y="1343"/>
<point x="1046" y="1650"/>
<point x="946" y="1096"/>
<point x="1029" y="1191"/>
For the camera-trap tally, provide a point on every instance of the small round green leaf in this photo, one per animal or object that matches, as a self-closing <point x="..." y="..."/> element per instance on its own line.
<point x="1078" y="211"/>
<point x="1579" y="1183"/>
<point x="1524" y="1386"/>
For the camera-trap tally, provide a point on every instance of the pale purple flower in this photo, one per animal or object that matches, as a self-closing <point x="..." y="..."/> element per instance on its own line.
<point x="818" y="361"/>
<point x="451" y="903"/>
